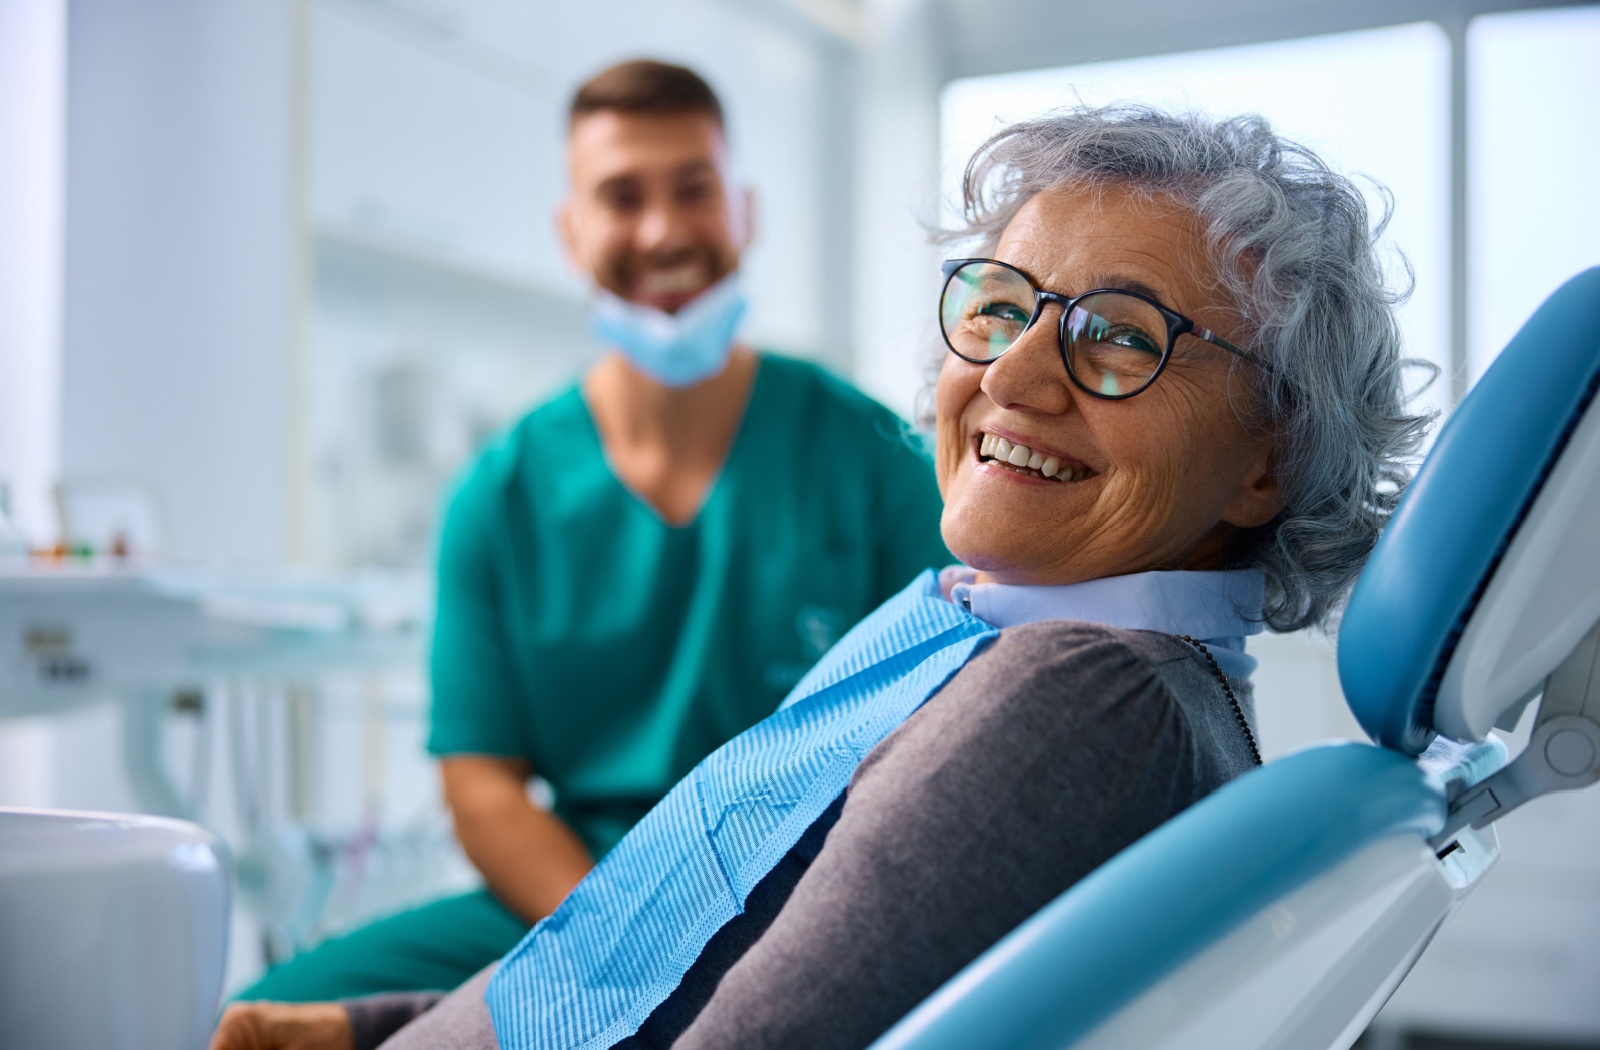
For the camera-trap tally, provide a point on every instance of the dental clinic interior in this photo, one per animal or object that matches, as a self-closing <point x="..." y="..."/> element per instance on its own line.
<point x="273" y="273"/>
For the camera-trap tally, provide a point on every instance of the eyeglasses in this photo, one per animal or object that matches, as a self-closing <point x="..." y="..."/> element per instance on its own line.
<point x="1114" y="343"/>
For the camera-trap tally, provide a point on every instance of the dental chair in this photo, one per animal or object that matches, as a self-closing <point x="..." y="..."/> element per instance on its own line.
<point x="1284" y="910"/>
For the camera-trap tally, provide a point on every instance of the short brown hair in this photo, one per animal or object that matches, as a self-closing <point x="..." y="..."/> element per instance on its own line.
<point x="645" y="86"/>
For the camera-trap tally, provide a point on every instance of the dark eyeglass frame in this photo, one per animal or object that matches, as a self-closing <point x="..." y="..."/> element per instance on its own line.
<point x="1177" y="325"/>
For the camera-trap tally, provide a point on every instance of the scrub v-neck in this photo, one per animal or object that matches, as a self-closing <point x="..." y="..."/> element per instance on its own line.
<point x="746" y="418"/>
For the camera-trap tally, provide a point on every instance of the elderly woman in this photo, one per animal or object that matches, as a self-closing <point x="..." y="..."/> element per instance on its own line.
<point x="1171" y="414"/>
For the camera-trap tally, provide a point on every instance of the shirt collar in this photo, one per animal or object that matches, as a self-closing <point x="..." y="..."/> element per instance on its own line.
<point x="1218" y="608"/>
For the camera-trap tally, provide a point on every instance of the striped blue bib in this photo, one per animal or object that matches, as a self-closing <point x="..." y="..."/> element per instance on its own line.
<point x="591" y="973"/>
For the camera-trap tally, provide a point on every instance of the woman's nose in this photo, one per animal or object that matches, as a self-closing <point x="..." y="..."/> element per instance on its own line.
<point x="1030" y="376"/>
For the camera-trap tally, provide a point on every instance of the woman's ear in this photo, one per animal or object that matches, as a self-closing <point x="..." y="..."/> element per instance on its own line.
<point x="1258" y="499"/>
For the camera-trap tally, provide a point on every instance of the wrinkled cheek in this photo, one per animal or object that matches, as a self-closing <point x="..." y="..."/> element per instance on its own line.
<point x="955" y="389"/>
<point x="947" y="455"/>
<point x="1163" y="516"/>
<point x="949" y="447"/>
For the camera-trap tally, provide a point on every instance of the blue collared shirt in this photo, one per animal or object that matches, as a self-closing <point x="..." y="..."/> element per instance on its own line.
<point x="1219" y="608"/>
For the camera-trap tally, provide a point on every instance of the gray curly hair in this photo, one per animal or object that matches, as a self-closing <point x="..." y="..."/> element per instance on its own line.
<point x="1293" y="244"/>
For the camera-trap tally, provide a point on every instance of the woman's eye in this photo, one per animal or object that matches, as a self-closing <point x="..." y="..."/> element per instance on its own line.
<point x="1132" y="339"/>
<point x="1008" y="312"/>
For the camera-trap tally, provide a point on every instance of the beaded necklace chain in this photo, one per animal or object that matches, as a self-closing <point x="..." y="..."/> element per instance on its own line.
<point x="1228" y="689"/>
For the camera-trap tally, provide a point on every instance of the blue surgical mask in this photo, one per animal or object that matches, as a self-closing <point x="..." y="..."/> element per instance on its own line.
<point x="678" y="349"/>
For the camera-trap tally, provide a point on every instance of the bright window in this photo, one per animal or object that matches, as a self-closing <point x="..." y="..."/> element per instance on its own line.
<point x="1534" y="165"/>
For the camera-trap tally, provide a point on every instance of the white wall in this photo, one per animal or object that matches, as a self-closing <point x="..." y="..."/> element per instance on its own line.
<point x="32" y="131"/>
<point x="180" y="280"/>
<point x="1534" y="165"/>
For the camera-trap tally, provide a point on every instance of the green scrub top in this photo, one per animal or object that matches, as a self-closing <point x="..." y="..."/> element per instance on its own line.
<point x="579" y="631"/>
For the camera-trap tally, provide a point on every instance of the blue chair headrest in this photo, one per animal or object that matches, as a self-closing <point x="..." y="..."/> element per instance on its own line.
<point x="1440" y="549"/>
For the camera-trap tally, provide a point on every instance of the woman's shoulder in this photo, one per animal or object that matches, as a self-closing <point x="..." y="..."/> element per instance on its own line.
<point x="1090" y="671"/>
<point x="1084" y="670"/>
<point x="1093" y="697"/>
<point x="1050" y="648"/>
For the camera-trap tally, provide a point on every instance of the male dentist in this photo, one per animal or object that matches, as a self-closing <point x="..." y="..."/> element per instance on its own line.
<point x="641" y="567"/>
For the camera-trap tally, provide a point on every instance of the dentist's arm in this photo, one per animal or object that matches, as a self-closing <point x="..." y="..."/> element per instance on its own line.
<point x="528" y="856"/>
<point x="284" y="1026"/>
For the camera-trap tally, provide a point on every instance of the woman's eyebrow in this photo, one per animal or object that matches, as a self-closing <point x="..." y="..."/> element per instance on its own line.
<point x="1127" y="284"/>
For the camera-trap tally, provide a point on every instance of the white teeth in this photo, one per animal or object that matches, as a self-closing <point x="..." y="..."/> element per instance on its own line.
<point x="992" y="446"/>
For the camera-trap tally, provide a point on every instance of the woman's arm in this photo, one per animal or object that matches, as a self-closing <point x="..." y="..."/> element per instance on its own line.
<point x="529" y="858"/>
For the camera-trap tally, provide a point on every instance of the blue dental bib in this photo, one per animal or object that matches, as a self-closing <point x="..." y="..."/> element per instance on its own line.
<point x="591" y="973"/>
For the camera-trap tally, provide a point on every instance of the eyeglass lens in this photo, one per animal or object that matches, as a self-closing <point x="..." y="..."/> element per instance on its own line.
<point x="1112" y="344"/>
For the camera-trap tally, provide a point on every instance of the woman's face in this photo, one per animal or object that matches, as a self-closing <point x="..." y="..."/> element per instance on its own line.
<point x="1158" y="481"/>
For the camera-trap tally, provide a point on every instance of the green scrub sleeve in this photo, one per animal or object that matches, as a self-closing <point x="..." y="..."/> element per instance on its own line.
<point x="478" y="707"/>
<point x="909" y="516"/>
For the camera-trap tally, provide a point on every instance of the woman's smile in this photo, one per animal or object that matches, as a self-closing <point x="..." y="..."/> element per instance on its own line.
<point x="1025" y="459"/>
